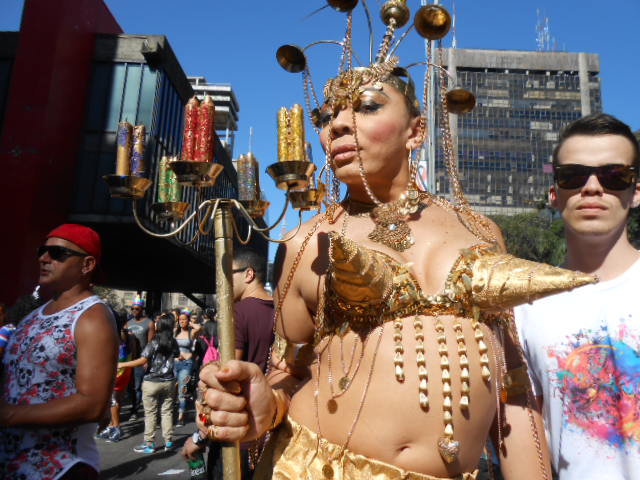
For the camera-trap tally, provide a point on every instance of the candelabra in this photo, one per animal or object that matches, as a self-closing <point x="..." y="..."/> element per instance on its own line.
<point x="215" y="214"/>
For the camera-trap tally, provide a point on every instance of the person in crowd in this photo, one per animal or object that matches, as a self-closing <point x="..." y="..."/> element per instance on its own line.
<point x="209" y="315"/>
<point x="393" y="318"/>
<point x="143" y="328"/>
<point x="184" y="363"/>
<point x="158" y="385"/>
<point x="59" y="367"/>
<point x="195" y="322"/>
<point x="583" y="347"/>
<point x="253" y="308"/>
<point x="208" y="337"/>
<point x="128" y="350"/>
<point x="176" y="315"/>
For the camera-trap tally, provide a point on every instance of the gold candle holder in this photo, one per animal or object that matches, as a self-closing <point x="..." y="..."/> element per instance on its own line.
<point x="255" y="208"/>
<point x="196" y="174"/>
<point x="170" y="210"/>
<point x="291" y="175"/>
<point x="309" y="199"/>
<point x="127" y="186"/>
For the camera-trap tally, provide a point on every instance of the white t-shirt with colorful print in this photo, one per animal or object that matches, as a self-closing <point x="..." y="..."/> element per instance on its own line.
<point x="583" y="349"/>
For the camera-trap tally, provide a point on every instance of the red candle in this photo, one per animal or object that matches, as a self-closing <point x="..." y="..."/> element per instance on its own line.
<point x="190" y="130"/>
<point x="204" y="140"/>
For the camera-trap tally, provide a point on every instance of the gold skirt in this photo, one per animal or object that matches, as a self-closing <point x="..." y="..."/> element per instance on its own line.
<point x="295" y="452"/>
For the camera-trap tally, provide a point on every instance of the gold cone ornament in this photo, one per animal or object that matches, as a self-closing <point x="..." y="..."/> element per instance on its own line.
<point x="501" y="281"/>
<point x="357" y="275"/>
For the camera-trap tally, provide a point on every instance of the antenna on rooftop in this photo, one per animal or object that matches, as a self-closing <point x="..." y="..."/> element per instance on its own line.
<point x="545" y="42"/>
<point x="250" y="138"/>
<point x="453" y="41"/>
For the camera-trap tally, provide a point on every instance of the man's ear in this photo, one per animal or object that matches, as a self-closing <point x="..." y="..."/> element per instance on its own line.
<point x="89" y="265"/>
<point x="635" y="201"/>
<point x="553" y="196"/>
<point x="249" y="275"/>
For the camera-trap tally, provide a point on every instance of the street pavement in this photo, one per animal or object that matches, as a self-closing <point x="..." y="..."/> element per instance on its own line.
<point x="119" y="461"/>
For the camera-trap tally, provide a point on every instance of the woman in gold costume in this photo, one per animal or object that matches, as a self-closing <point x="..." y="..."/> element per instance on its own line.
<point x="395" y="356"/>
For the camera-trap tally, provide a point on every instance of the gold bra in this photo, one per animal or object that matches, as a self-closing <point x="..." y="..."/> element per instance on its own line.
<point x="365" y="288"/>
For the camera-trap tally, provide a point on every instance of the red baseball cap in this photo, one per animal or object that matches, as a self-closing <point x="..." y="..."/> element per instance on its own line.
<point x="84" y="237"/>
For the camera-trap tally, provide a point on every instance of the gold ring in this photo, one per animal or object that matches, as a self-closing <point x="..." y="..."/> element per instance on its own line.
<point x="200" y="396"/>
<point x="211" y="432"/>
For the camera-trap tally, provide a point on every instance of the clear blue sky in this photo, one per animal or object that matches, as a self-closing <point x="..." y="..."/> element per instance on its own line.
<point x="235" y="42"/>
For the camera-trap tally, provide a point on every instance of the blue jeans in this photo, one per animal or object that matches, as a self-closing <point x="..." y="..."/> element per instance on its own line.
<point x="136" y="381"/>
<point x="183" y="369"/>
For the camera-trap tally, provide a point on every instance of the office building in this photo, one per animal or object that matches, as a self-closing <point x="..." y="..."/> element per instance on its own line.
<point x="523" y="99"/>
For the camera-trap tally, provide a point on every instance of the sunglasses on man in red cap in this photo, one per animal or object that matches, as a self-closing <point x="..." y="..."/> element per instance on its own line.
<point x="58" y="253"/>
<point x="84" y="237"/>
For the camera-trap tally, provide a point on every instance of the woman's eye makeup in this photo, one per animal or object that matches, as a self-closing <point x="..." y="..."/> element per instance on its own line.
<point x="368" y="106"/>
<point x="325" y="116"/>
<point x="370" y="101"/>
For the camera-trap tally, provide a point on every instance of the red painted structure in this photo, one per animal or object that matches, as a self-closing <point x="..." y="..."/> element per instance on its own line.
<point x="42" y="125"/>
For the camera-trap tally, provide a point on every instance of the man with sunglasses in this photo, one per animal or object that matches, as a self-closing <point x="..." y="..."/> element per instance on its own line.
<point x="59" y="367"/>
<point x="583" y="347"/>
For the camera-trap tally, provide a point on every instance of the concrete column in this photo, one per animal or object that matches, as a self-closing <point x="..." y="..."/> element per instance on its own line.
<point x="585" y="97"/>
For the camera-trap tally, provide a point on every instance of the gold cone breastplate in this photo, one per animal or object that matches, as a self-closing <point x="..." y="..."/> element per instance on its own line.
<point x="365" y="288"/>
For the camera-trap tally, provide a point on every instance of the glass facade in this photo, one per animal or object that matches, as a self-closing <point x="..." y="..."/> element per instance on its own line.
<point x="505" y="143"/>
<point x="139" y="94"/>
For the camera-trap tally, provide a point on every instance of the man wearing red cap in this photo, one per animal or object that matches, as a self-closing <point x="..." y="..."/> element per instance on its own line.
<point x="59" y="367"/>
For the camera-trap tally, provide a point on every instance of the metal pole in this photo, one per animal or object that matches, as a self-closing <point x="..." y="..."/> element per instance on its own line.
<point x="223" y="231"/>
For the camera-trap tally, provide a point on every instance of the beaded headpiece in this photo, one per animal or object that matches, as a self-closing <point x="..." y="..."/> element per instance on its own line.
<point x="432" y="22"/>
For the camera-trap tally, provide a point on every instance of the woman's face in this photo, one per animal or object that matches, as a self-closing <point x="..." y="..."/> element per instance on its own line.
<point x="385" y="133"/>
<point x="183" y="321"/>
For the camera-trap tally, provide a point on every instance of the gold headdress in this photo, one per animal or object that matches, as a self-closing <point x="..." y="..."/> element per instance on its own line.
<point x="431" y="22"/>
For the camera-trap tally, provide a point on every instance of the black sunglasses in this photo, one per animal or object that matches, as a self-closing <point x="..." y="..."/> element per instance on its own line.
<point x="237" y="270"/>
<point x="611" y="177"/>
<point x="59" y="253"/>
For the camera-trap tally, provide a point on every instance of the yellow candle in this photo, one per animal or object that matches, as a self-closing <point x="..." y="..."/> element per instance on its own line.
<point x="296" y="143"/>
<point x="283" y="135"/>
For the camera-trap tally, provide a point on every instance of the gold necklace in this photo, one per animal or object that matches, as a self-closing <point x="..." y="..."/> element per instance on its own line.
<point x="346" y="380"/>
<point x="390" y="219"/>
<point x="347" y="371"/>
<point x="327" y="469"/>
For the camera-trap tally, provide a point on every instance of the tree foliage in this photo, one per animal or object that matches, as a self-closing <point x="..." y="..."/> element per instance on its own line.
<point x="533" y="236"/>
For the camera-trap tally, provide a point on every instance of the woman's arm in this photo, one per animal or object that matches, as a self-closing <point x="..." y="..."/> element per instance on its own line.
<point x="138" y="362"/>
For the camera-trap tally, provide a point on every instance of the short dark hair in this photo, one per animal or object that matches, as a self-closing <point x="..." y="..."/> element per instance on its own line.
<point x="246" y="258"/>
<point x="598" y="124"/>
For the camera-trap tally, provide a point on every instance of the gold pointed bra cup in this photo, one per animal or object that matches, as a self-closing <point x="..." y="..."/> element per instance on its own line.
<point x="357" y="275"/>
<point x="502" y="281"/>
